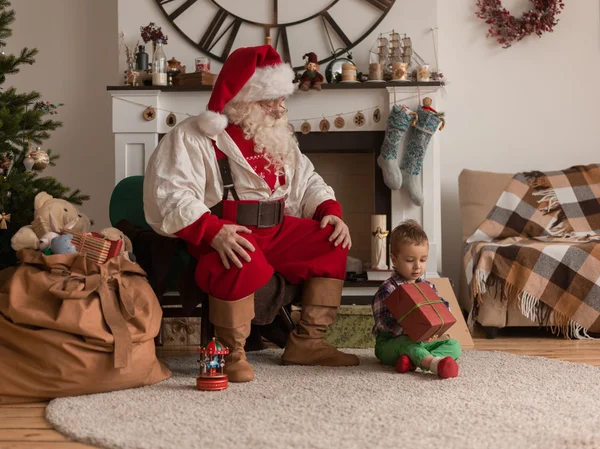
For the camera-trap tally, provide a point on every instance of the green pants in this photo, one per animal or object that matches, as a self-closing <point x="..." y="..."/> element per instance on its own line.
<point x="388" y="349"/>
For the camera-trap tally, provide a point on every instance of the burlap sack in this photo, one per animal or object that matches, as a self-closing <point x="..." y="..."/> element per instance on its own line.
<point x="69" y="327"/>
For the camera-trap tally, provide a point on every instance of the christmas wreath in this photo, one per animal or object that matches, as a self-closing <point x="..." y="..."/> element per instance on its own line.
<point x="508" y="29"/>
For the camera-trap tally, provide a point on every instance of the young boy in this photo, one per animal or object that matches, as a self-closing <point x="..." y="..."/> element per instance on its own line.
<point x="409" y="248"/>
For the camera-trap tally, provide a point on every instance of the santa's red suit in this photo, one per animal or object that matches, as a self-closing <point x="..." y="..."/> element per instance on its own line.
<point x="205" y="174"/>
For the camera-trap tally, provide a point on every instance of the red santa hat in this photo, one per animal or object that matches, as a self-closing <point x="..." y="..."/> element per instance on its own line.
<point x="249" y="74"/>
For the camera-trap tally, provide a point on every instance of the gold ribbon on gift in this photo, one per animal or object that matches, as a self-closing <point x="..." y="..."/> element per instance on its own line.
<point x="427" y="302"/>
<point x="117" y="305"/>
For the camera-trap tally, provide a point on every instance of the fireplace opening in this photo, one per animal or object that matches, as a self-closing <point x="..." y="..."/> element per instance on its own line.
<point x="347" y="161"/>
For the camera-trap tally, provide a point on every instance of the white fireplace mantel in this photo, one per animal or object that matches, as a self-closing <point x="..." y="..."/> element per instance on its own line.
<point x="136" y="138"/>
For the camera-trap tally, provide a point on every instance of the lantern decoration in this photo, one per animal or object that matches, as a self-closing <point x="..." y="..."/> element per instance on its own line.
<point x="212" y="363"/>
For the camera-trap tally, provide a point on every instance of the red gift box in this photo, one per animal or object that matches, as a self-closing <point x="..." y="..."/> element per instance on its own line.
<point x="420" y="311"/>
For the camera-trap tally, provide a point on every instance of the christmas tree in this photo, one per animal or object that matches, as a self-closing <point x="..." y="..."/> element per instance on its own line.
<point x="23" y="127"/>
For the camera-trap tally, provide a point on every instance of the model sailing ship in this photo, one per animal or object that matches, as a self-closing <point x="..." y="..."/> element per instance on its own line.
<point x="394" y="50"/>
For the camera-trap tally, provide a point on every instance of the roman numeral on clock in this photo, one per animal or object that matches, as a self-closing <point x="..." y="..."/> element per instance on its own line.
<point x="383" y="5"/>
<point x="335" y="27"/>
<point x="210" y="38"/>
<point x="179" y="11"/>
<point x="285" y="43"/>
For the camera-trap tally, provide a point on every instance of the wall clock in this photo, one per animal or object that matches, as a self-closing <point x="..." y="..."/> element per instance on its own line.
<point x="215" y="27"/>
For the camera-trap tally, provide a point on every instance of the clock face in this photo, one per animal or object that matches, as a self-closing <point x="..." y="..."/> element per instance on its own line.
<point x="293" y="27"/>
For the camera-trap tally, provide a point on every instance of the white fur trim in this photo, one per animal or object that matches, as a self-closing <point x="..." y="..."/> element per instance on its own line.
<point x="212" y="123"/>
<point x="268" y="83"/>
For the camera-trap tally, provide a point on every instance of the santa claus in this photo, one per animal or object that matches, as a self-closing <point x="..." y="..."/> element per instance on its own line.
<point x="233" y="183"/>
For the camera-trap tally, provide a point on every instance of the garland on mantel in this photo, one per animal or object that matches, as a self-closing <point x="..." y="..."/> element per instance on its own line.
<point x="508" y="29"/>
<point x="292" y="121"/>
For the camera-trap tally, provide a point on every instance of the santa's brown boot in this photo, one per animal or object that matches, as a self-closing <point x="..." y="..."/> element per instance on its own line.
<point x="317" y="86"/>
<point x="232" y="326"/>
<point x="305" y="86"/>
<point x="320" y="300"/>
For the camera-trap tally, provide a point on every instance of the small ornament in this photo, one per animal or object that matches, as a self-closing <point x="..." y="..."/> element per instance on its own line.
<point x="212" y="362"/>
<point x="359" y="119"/>
<point x="291" y="127"/>
<point x="41" y="160"/>
<point x="171" y="119"/>
<point x="5" y="163"/>
<point x="4" y="220"/>
<point x="376" y="115"/>
<point x="28" y="162"/>
<point x="149" y="114"/>
<point x="305" y="128"/>
<point x="339" y="122"/>
<point x="324" y="125"/>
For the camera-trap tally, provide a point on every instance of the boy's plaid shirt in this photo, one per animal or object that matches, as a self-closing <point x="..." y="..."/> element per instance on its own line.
<point x="384" y="320"/>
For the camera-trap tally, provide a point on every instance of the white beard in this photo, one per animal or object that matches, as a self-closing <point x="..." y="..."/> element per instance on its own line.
<point x="272" y="137"/>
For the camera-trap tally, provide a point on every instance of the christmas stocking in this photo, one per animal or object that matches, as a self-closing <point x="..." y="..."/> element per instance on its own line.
<point x="397" y="124"/>
<point x="412" y="159"/>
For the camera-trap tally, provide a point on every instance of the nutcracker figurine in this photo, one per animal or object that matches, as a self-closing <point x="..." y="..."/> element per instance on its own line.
<point x="212" y="362"/>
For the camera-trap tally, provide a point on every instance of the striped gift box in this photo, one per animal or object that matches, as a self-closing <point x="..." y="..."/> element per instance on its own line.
<point x="94" y="246"/>
<point x="41" y="226"/>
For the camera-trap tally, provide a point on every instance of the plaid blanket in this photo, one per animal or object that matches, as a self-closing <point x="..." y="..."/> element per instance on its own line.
<point x="539" y="248"/>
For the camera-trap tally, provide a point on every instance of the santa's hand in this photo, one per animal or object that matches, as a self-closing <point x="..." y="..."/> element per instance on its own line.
<point x="229" y="244"/>
<point x="341" y="233"/>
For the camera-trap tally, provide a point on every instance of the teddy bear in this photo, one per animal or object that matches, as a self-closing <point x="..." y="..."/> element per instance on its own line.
<point x="64" y="215"/>
<point x="114" y="234"/>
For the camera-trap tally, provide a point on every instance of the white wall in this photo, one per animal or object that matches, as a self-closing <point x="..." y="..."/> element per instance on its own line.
<point x="532" y="106"/>
<point x="77" y="43"/>
<point x="414" y="18"/>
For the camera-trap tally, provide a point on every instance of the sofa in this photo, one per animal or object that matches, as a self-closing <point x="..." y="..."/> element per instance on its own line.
<point x="478" y="193"/>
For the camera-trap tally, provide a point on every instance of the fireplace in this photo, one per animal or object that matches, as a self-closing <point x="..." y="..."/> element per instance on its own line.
<point x="347" y="162"/>
<point x="346" y="158"/>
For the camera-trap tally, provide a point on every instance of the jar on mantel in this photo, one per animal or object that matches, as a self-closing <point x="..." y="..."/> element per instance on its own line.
<point x="159" y="65"/>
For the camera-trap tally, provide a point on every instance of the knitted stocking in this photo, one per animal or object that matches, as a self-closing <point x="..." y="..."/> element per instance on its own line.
<point x="412" y="159"/>
<point x="397" y="124"/>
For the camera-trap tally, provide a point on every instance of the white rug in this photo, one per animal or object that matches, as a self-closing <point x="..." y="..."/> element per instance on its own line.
<point x="499" y="400"/>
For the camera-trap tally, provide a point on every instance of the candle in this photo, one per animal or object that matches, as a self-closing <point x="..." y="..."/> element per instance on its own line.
<point x="348" y="72"/>
<point x="423" y="73"/>
<point x="375" y="71"/>
<point x="399" y="71"/>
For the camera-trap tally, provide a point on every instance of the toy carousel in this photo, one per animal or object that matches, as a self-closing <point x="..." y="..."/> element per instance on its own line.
<point x="212" y="362"/>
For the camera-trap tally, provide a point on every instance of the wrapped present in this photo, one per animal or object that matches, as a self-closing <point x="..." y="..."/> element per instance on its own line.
<point x="95" y="247"/>
<point x="351" y="328"/>
<point x="180" y="331"/>
<point x="420" y="311"/>
<point x="41" y="226"/>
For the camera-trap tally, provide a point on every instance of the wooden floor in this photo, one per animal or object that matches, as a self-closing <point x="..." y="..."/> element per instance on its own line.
<point x="24" y="426"/>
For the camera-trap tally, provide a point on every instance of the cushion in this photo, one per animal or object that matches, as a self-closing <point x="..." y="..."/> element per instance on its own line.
<point x="478" y="192"/>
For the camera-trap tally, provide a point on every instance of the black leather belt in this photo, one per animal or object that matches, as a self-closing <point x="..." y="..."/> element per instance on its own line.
<point x="264" y="214"/>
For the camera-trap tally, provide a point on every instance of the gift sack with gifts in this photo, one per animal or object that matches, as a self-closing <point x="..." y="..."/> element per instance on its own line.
<point x="69" y="326"/>
<point x="420" y="311"/>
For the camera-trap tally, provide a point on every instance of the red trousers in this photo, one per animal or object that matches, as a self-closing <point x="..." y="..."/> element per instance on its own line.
<point x="298" y="249"/>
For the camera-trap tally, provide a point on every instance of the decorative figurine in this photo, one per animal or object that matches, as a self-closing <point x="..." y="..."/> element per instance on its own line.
<point x="212" y="362"/>
<point x="427" y="107"/>
<point x="311" y="78"/>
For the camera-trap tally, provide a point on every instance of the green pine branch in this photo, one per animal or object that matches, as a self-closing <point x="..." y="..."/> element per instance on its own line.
<point x="24" y="125"/>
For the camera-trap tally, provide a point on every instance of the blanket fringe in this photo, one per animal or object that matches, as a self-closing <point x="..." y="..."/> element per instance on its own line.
<point x="527" y="304"/>
<point x="548" y="196"/>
